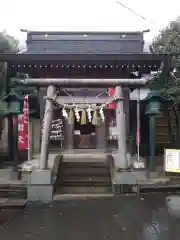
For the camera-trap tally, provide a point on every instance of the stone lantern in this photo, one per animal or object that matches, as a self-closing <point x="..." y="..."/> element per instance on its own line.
<point x="154" y="102"/>
<point x="11" y="105"/>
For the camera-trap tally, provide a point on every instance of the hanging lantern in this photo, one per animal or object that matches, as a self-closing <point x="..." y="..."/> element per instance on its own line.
<point x="153" y="107"/>
<point x="154" y="102"/>
<point x="83" y="117"/>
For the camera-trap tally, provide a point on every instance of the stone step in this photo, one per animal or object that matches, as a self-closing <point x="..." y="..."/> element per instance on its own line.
<point x="12" y="203"/>
<point x="84" y="190"/>
<point x="83" y="183"/>
<point x="9" y="193"/>
<point x="86" y="178"/>
<point x="85" y="163"/>
<point x="13" y="189"/>
<point x="84" y="171"/>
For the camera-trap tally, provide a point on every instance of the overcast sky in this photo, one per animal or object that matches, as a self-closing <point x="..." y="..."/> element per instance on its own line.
<point x="81" y="15"/>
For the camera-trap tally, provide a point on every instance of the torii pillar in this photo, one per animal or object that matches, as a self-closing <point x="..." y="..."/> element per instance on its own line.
<point x="120" y="157"/>
<point x="48" y="117"/>
<point x="40" y="187"/>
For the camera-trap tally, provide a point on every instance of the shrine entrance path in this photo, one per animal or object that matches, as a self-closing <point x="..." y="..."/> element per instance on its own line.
<point x="116" y="217"/>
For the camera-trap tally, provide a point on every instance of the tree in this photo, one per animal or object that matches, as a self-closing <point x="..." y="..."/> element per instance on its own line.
<point x="7" y="44"/>
<point x="168" y="42"/>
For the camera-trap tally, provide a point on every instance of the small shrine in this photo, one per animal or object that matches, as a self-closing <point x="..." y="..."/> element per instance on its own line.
<point x="86" y="92"/>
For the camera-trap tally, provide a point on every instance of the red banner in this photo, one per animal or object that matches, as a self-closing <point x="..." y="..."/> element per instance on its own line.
<point x="23" y="127"/>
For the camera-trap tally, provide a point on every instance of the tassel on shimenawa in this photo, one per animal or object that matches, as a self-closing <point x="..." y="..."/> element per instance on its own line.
<point x="83" y="117"/>
<point x="71" y="117"/>
<point x="98" y="118"/>
<point x="94" y="119"/>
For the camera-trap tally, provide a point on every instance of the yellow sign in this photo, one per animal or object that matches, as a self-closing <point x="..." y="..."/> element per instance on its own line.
<point x="172" y="160"/>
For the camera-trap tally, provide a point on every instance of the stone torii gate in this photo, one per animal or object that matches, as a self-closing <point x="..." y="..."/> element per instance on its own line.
<point x="51" y="85"/>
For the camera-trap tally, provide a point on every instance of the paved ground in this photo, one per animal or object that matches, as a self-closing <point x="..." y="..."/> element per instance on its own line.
<point x="121" y="217"/>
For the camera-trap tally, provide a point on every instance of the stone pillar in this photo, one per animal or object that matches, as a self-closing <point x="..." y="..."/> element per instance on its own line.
<point x="69" y="135"/>
<point x="48" y="115"/>
<point x="30" y="138"/>
<point x="120" y="157"/>
<point x="42" y="93"/>
<point x="36" y="135"/>
<point x="101" y="136"/>
<point x="126" y="93"/>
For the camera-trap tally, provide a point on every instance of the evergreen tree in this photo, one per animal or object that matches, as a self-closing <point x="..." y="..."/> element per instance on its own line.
<point x="168" y="42"/>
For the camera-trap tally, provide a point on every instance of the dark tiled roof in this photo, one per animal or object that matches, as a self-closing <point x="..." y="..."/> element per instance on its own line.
<point x="81" y="43"/>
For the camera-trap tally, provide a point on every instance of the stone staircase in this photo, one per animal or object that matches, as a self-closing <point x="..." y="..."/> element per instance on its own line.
<point x="13" y="193"/>
<point x="78" y="177"/>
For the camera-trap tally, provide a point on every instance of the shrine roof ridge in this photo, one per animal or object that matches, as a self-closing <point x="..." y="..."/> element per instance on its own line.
<point x="26" y="57"/>
<point x="83" y="32"/>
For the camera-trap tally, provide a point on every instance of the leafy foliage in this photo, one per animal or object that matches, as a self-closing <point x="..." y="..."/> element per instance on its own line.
<point x="168" y="87"/>
<point x="7" y="44"/>
<point x="168" y="84"/>
<point x="168" y="42"/>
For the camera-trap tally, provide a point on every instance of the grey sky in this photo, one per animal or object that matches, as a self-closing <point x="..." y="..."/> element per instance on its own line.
<point x="80" y="15"/>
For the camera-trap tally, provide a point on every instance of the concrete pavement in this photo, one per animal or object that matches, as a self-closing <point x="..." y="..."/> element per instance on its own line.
<point x="116" y="217"/>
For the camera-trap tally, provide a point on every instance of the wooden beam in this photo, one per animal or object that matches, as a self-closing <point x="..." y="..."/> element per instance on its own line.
<point x="83" y="58"/>
<point x="81" y="100"/>
<point x="80" y="82"/>
<point x="82" y="89"/>
<point x="81" y="106"/>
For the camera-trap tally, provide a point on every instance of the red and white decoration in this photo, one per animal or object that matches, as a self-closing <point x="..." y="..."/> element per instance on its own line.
<point x="111" y="94"/>
<point x="23" y="127"/>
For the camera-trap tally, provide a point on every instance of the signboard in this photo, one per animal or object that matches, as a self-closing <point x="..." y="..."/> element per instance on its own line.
<point x="57" y="133"/>
<point x="57" y="129"/>
<point x="23" y="127"/>
<point x="172" y="160"/>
